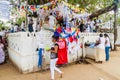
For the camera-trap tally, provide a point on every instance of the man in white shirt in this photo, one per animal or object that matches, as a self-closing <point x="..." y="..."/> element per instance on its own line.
<point x="52" y="21"/>
<point x="23" y="26"/>
<point x="15" y="28"/>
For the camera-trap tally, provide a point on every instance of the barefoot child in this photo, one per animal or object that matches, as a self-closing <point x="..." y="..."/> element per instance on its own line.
<point x="54" y="57"/>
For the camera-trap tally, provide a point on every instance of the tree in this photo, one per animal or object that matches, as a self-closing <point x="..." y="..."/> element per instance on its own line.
<point x="102" y="11"/>
<point x="114" y="7"/>
<point x="91" y="5"/>
<point x="37" y="2"/>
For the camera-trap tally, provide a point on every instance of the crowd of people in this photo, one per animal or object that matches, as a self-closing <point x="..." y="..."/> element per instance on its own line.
<point x="59" y="14"/>
<point x="55" y="16"/>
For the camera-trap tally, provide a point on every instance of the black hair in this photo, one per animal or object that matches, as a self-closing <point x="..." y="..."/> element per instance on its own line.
<point x="106" y="35"/>
<point x="1" y="38"/>
<point x="101" y="35"/>
<point x="50" y="13"/>
<point x="3" y="28"/>
<point x="55" y="37"/>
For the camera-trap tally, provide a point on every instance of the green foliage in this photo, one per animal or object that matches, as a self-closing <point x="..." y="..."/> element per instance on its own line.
<point x="118" y="18"/>
<point x="37" y="2"/>
<point x="1" y="26"/>
<point x="91" y="5"/>
<point x="20" y="20"/>
<point x="23" y="0"/>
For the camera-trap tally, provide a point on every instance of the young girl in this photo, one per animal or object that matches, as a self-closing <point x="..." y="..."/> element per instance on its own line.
<point x="107" y="46"/>
<point x="2" y="54"/>
<point x="54" y="57"/>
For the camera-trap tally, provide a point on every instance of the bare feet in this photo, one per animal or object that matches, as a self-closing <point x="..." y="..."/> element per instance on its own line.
<point x="99" y="62"/>
<point x="61" y="75"/>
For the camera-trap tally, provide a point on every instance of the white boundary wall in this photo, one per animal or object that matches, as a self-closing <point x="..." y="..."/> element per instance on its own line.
<point x="118" y="36"/>
<point x="22" y="49"/>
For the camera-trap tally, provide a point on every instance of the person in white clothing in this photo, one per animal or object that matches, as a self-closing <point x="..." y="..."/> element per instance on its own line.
<point x="100" y="49"/>
<point x="107" y="46"/>
<point x="52" y="21"/>
<point x="15" y="28"/>
<point x="88" y="27"/>
<point x="23" y="26"/>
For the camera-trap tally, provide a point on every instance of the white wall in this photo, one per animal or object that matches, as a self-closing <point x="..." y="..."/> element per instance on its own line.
<point x="22" y="49"/>
<point x="118" y="36"/>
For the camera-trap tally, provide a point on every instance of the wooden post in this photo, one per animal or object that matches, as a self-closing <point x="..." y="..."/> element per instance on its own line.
<point x="26" y="16"/>
<point x="115" y="27"/>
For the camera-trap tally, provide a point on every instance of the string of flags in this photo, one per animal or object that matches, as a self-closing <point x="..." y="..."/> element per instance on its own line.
<point x="72" y="34"/>
<point x="53" y="3"/>
<point x="73" y="7"/>
<point x="33" y="7"/>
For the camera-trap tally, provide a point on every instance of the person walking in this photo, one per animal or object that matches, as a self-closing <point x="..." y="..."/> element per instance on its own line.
<point x="30" y="26"/>
<point x="52" y="21"/>
<point x="54" y="57"/>
<point x="107" y="46"/>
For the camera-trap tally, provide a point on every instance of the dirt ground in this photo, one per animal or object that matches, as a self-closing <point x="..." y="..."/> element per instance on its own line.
<point x="106" y="71"/>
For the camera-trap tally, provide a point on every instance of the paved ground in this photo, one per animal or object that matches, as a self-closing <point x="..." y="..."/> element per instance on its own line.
<point x="106" y="71"/>
<point x="112" y="67"/>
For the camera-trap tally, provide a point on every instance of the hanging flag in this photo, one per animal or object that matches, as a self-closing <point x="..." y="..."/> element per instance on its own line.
<point x="32" y="7"/>
<point x="22" y="7"/>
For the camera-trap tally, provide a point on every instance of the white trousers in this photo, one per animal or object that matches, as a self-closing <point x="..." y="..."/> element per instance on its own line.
<point x="53" y="67"/>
